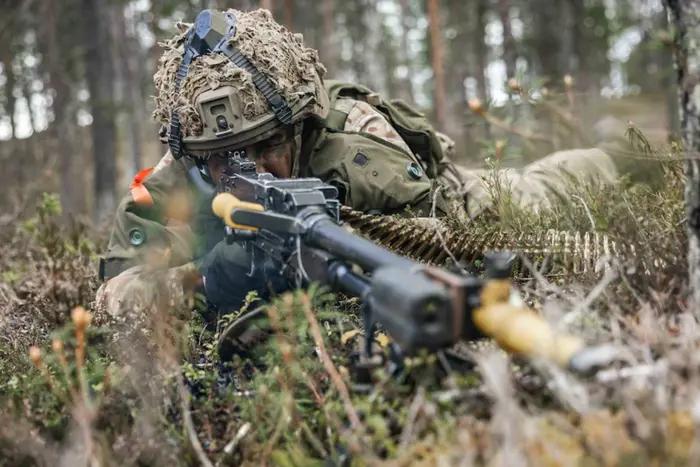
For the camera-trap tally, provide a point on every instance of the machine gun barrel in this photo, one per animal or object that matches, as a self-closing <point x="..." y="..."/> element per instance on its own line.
<point x="322" y="232"/>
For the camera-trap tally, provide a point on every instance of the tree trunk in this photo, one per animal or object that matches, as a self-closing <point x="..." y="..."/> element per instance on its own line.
<point x="510" y="53"/>
<point x="58" y="80"/>
<point x="329" y="47"/>
<point x="406" y="88"/>
<point x="10" y="84"/>
<point x="289" y="14"/>
<point x="99" y="73"/>
<point x="547" y="48"/>
<point x="128" y="86"/>
<point x="267" y="5"/>
<point x="481" y="49"/>
<point x="668" y="85"/>
<point x="436" y="52"/>
<point x="481" y="53"/>
<point x="28" y="77"/>
<point x="358" y="33"/>
<point x="684" y="16"/>
<point x="155" y="30"/>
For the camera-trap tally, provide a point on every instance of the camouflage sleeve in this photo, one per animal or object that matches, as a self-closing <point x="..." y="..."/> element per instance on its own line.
<point x="372" y="176"/>
<point x="151" y="218"/>
<point x="149" y="226"/>
<point x="362" y="117"/>
<point x="373" y="167"/>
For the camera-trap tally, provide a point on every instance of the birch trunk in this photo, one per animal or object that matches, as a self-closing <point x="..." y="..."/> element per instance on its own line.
<point x="685" y="18"/>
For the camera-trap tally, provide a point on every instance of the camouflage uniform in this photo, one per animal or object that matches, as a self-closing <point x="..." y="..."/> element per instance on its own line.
<point x="166" y="216"/>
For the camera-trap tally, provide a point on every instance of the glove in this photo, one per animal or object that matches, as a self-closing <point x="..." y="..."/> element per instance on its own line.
<point x="227" y="279"/>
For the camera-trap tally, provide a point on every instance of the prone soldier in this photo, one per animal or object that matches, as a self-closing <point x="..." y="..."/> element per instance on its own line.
<point x="238" y="82"/>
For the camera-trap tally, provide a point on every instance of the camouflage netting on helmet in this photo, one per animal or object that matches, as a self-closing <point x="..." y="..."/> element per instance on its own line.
<point x="293" y="69"/>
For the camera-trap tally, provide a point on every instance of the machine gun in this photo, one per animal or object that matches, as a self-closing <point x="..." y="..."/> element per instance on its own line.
<point x="292" y="227"/>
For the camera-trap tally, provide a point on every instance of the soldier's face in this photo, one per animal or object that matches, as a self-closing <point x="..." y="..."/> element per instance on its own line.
<point x="274" y="155"/>
<point x="276" y="159"/>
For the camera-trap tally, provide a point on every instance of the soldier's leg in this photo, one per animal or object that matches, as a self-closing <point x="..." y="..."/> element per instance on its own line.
<point x="532" y="186"/>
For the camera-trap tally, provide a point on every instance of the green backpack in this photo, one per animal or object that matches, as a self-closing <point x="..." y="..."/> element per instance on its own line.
<point x="412" y="125"/>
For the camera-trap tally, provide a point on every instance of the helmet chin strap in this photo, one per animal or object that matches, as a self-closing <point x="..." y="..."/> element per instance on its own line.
<point x="200" y="180"/>
<point x="296" y="149"/>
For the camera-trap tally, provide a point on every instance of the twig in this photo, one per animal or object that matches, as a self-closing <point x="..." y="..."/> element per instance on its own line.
<point x="411" y="417"/>
<point x="588" y="212"/>
<point x="309" y="382"/>
<point x="660" y="368"/>
<point x="438" y="231"/>
<point x="314" y="441"/>
<point x="528" y="135"/>
<point x="600" y="287"/>
<point x="189" y="424"/>
<point x="231" y="446"/>
<point x="539" y="277"/>
<point x="328" y="364"/>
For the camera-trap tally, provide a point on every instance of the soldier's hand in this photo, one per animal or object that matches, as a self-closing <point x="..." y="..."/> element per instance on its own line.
<point x="225" y="275"/>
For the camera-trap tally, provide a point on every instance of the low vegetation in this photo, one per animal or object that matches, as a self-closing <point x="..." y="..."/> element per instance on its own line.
<point x="78" y="387"/>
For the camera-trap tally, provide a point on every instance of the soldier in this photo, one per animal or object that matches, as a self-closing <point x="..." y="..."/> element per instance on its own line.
<point x="212" y="105"/>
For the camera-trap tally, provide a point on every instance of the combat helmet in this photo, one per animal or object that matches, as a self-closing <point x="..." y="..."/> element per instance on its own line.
<point x="234" y="79"/>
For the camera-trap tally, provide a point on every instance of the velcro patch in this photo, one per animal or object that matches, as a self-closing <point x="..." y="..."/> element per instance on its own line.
<point x="360" y="159"/>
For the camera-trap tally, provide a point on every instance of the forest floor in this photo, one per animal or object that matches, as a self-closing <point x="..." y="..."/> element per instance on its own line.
<point x="102" y="391"/>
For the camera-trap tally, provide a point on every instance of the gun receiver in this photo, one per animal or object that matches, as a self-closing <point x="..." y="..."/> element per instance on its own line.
<point x="295" y="223"/>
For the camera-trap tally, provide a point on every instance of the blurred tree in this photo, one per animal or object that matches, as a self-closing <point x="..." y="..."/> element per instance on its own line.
<point x="408" y="19"/>
<point x="10" y="83"/>
<point x="436" y="52"/>
<point x="328" y="45"/>
<point x="510" y="52"/>
<point x="289" y="13"/>
<point x="128" y="95"/>
<point x="356" y="27"/>
<point x="99" y="74"/>
<point x="685" y="18"/>
<point x="481" y="51"/>
<point x="61" y="67"/>
<point x="459" y="67"/>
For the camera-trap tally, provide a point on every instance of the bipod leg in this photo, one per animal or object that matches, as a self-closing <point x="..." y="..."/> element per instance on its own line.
<point x="368" y="321"/>
<point x="396" y="360"/>
<point x="368" y="358"/>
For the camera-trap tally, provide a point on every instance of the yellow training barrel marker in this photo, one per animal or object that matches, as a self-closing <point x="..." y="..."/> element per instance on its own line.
<point x="520" y="330"/>
<point x="224" y="203"/>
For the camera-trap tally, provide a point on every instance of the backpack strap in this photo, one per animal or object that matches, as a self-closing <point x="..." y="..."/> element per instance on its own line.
<point x="336" y="119"/>
<point x="412" y="126"/>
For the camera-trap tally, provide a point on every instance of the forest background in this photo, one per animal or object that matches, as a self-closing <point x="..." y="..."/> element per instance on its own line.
<point x="76" y="76"/>
<point x="508" y="80"/>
